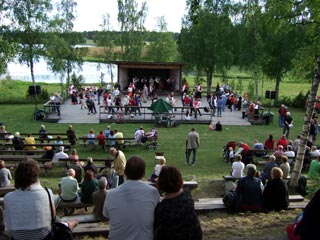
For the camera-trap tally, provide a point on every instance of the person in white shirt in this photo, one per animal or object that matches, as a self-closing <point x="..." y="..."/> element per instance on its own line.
<point x="157" y="170"/>
<point x="314" y="152"/>
<point x="130" y="207"/>
<point x="289" y="153"/>
<point x="237" y="167"/>
<point x="61" y="154"/>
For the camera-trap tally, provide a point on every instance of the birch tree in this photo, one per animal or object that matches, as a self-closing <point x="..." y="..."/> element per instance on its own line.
<point x="306" y="127"/>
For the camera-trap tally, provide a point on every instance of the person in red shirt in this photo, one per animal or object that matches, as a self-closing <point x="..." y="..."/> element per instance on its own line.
<point x="282" y="141"/>
<point x="244" y="151"/>
<point x="269" y="143"/>
<point x="101" y="139"/>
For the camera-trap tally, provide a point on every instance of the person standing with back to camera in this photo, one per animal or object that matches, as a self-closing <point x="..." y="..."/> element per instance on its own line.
<point x="192" y="144"/>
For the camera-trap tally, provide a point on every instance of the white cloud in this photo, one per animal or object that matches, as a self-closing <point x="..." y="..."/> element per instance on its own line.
<point x="90" y="12"/>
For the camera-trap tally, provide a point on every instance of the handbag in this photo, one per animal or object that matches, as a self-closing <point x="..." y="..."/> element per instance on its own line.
<point x="59" y="230"/>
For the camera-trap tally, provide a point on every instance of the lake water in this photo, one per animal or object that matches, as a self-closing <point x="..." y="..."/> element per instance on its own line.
<point x="90" y="71"/>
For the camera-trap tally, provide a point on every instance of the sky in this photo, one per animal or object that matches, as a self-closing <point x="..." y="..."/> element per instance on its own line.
<point x="89" y="14"/>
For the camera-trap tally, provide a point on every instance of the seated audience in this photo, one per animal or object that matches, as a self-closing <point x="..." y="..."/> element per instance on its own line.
<point x="58" y="140"/>
<point x="289" y="153"/>
<point x="69" y="187"/>
<point x="237" y="167"/>
<point x="101" y="139"/>
<point x="283" y="141"/>
<point x="91" y="138"/>
<point x="157" y="170"/>
<point x="215" y="127"/>
<point x="175" y="216"/>
<point x="88" y="186"/>
<point x="5" y="175"/>
<point x="98" y="198"/>
<point x="314" y="152"/>
<point x="269" y="143"/>
<point x="259" y="147"/>
<point x="112" y="139"/>
<point x="279" y="152"/>
<point x="43" y="134"/>
<point x="218" y="126"/>
<point x="118" y="135"/>
<point x="314" y="169"/>
<point x="29" y="140"/>
<point x="59" y="155"/>
<point x="76" y="166"/>
<point x="266" y="173"/>
<point x="130" y="207"/>
<point x="249" y="191"/>
<point x="28" y="212"/>
<point x="74" y="155"/>
<point x="212" y="126"/>
<point x="275" y="194"/>
<point x="107" y="132"/>
<point x="90" y="166"/>
<point x="17" y="142"/>
<point x="49" y="153"/>
<point x="285" y="166"/>
<point x="71" y="135"/>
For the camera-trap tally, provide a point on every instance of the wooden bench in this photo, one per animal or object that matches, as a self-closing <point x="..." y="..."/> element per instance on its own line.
<point x="210" y="204"/>
<point x="48" y="134"/>
<point x="75" y="204"/>
<point x="5" y="190"/>
<point x="37" y="145"/>
<point x="127" y="142"/>
<point x="21" y="152"/>
<point x="99" y="165"/>
<point x="92" y="229"/>
<point x="82" y="218"/>
<point x="186" y="184"/>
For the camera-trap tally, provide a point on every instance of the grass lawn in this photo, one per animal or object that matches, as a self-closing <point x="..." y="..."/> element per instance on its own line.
<point x="210" y="164"/>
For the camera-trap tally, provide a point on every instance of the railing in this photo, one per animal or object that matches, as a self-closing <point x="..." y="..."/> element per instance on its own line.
<point x="134" y="114"/>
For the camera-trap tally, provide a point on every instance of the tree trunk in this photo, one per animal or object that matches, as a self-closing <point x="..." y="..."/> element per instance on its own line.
<point x="209" y="82"/>
<point x="278" y="79"/>
<point x="69" y="69"/>
<point x="305" y="131"/>
<point x="33" y="82"/>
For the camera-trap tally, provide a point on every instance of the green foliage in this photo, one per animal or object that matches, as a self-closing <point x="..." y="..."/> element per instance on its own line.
<point x="44" y="94"/>
<point x="300" y="100"/>
<point x="31" y="20"/>
<point x="251" y="88"/>
<point x="284" y="100"/>
<point x="77" y="81"/>
<point x="239" y="86"/>
<point x="16" y="92"/>
<point x="131" y="20"/>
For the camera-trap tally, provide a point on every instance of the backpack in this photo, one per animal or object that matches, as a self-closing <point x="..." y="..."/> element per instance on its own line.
<point x="302" y="186"/>
<point x="61" y="231"/>
<point x="229" y="200"/>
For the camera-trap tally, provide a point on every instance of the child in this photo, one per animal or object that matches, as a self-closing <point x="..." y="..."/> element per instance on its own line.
<point x="157" y="169"/>
<point x="231" y="155"/>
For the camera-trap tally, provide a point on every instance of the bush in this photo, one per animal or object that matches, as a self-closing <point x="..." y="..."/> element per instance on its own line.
<point x="284" y="100"/>
<point x="300" y="100"/>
